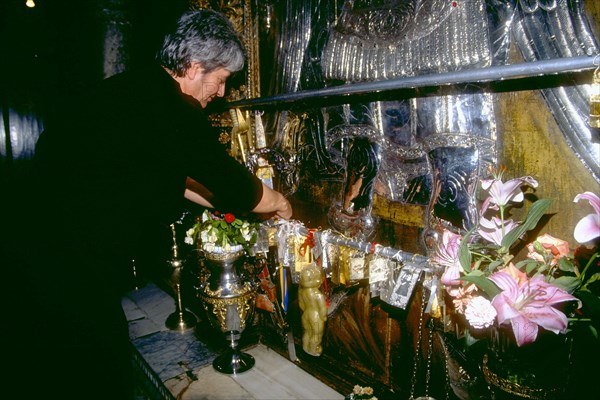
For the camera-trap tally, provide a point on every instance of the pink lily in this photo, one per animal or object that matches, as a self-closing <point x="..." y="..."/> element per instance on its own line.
<point x="493" y="230"/>
<point x="528" y="305"/>
<point x="450" y="280"/>
<point x="447" y="255"/>
<point x="447" y="251"/>
<point x="588" y="228"/>
<point x="503" y="193"/>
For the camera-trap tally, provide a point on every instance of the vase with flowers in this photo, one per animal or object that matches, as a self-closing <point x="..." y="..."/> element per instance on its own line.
<point x="227" y="293"/>
<point x="523" y="309"/>
<point x="217" y="232"/>
<point x="361" y="393"/>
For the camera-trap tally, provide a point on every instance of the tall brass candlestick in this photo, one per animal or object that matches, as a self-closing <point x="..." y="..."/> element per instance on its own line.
<point x="181" y="319"/>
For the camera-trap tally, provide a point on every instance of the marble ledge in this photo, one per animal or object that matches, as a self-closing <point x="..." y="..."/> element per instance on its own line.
<point x="147" y="310"/>
<point x="272" y="378"/>
<point x="184" y="364"/>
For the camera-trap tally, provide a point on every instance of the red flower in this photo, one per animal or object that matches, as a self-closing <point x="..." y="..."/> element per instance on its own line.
<point x="229" y="218"/>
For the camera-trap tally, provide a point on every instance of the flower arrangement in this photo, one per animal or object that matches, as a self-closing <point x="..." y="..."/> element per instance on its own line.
<point x="223" y="232"/>
<point x="360" y="393"/>
<point x="490" y="288"/>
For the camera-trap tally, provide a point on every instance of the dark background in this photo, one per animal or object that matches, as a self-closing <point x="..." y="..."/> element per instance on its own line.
<point x="56" y="48"/>
<point x="53" y="52"/>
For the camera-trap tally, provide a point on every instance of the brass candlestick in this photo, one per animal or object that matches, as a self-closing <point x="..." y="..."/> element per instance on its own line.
<point x="181" y="319"/>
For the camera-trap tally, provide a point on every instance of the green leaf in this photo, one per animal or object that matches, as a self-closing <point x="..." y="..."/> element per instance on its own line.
<point x="568" y="283"/>
<point x="527" y="265"/>
<point x="494" y="265"/>
<point x="566" y="264"/>
<point x="239" y="239"/>
<point x="595" y="277"/>
<point x="530" y="268"/>
<point x="464" y="255"/>
<point x="535" y="213"/>
<point x="590" y="262"/>
<point x="593" y="331"/>
<point x="543" y="268"/>
<point x="586" y="282"/>
<point x="483" y="283"/>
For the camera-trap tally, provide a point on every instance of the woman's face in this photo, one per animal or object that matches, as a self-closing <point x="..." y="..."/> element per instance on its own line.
<point x="205" y="86"/>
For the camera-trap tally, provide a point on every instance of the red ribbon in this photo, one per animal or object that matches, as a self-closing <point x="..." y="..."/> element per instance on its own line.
<point x="308" y="242"/>
<point x="373" y="245"/>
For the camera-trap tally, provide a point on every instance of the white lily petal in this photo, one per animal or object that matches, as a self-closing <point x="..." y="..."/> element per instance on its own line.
<point x="587" y="229"/>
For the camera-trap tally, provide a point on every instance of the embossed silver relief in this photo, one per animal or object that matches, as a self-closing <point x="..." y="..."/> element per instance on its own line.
<point x="420" y="151"/>
<point x="471" y="114"/>
<point x="362" y="165"/>
<point x="394" y="39"/>
<point x="455" y="172"/>
<point x="458" y="133"/>
<point x="351" y="212"/>
<point x="458" y="121"/>
<point x="403" y="159"/>
<point x="293" y="29"/>
<point x="389" y="125"/>
<point x="414" y="136"/>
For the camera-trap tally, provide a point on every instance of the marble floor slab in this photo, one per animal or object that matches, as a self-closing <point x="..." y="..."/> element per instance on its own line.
<point x="183" y="364"/>
<point x="272" y="378"/>
<point x="172" y="353"/>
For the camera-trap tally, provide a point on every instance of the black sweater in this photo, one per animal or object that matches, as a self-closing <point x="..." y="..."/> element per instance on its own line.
<point x="112" y="170"/>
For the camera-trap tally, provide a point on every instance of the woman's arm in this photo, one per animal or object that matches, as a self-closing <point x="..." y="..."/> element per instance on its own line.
<point x="271" y="202"/>
<point x="197" y="193"/>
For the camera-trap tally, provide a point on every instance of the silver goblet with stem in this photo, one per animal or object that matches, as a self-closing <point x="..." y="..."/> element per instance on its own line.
<point x="228" y="299"/>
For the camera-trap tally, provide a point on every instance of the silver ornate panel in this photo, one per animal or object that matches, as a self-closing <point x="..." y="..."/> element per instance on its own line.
<point x="377" y="39"/>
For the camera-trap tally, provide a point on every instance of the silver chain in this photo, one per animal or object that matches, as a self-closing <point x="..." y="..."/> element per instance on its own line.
<point x="418" y="353"/>
<point x="428" y="371"/>
<point x="413" y="380"/>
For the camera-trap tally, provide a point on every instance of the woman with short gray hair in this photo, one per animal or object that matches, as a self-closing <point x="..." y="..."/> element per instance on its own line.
<point x="109" y="176"/>
<point x="204" y="36"/>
